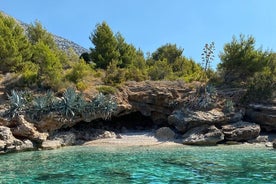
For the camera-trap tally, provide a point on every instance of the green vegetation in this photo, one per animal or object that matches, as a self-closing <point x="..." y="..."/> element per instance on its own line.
<point x="71" y="104"/>
<point x="35" y="58"/>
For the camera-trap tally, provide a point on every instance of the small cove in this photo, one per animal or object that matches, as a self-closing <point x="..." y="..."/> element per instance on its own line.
<point x="134" y="164"/>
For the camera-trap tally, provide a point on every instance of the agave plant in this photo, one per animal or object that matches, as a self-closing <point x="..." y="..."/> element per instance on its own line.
<point x="71" y="104"/>
<point x="102" y="105"/>
<point x="16" y="104"/>
<point x="41" y="105"/>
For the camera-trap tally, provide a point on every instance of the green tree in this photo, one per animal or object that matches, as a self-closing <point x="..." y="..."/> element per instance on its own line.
<point x="170" y="52"/>
<point x="105" y="43"/>
<point x="50" y="68"/>
<point x="240" y="60"/>
<point x="37" y="33"/>
<point x="160" y="70"/>
<point x="14" y="45"/>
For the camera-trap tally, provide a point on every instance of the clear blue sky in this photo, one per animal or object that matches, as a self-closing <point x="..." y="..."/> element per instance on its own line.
<point x="149" y="24"/>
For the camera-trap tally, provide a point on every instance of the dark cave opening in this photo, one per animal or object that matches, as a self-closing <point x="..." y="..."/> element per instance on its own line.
<point x="134" y="121"/>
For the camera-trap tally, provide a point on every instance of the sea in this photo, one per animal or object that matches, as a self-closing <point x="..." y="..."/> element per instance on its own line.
<point x="141" y="164"/>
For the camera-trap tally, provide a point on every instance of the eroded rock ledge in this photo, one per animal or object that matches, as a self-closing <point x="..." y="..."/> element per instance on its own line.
<point x="161" y="104"/>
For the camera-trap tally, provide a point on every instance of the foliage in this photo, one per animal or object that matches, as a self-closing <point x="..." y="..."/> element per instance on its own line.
<point x="114" y="74"/>
<point x="240" y="60"/>
<point x="106" y="90"/>
<point x="36" y="33"/>
<point x="49" y="72"/>
<point x="170" y="52"/>
<point x="207" y="55"/>
<point x="79" y="70"/>
<point x="41" y="105"/>
<point x="17" y="104"/>
<point x="228" y="106"/>
<point x="262" y="86"/>
<point x="160" y="70"/>
<point x="14" y="46"/>
<point x="71" y="104"/>
<point x="105" y="43"/>
<point x="102" y="105"/>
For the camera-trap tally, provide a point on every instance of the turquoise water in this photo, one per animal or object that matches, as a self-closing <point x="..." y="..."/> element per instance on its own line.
<point x="223" y="164"/>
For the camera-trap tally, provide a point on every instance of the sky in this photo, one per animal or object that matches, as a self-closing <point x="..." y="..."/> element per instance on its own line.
<point x="149" y="24"/>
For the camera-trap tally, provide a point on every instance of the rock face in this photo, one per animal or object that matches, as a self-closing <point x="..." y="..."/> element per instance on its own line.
<point x="8" y="143"/>
<point x="241" y="131"/>
<point x="165" y="133"/>
<point x="27" y="130"/>
<point x="203" y="135"/>
<point x="65" y="138"/>
<point x="185" y="120"/>
<point x="154" y="99"/>
<point x="263" y="115"/>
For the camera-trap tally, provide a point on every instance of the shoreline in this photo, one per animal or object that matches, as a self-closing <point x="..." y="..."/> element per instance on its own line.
<point x="147" y="139"/>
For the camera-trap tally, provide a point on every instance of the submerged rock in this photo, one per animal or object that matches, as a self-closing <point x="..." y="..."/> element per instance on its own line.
<point x="51" y="144"/>
<point x="241" y="131"/>
<point x="203" y="135"/>
<point x="164" y="133"/>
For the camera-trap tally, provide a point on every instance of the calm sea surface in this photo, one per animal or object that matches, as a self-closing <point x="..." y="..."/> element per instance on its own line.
<point x="80" y="164"/>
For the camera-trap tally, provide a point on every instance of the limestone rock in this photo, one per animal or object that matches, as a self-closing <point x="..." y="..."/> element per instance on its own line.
<point x="177" y="120"/>
<point x="28" y="130"/>
<point x="259" y="139"/>
<point x="165" y="133"/>
<point x="8" y="143"/>
<point x="65" y="138"/>
<point x="241" y="131"/>
<point x="50" y="144"/>
<point x="274" y="144"/>
<point x="203" y="135"/>
<point x="264" y="115"/>
<point x="185" y="120"/>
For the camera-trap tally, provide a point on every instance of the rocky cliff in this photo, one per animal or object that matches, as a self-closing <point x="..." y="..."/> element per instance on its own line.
<point x="161" y="104"/>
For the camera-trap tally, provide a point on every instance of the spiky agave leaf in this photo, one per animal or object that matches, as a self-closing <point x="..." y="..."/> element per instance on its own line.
<point x="41" y="105"/>
<point x="71" y="104"/>
<point x="16" y="103"/>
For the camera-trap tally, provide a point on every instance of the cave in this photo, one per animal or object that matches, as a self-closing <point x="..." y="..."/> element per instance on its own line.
<point x="134" y="121"/>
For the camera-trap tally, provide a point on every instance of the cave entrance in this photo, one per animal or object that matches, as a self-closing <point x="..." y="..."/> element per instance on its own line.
<point x="134" y="121"/>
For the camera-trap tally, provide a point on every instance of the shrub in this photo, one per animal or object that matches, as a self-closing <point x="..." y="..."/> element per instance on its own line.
<point x="106" y="90"/>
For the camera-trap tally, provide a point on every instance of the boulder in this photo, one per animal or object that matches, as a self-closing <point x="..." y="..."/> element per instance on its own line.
<point x="274" y="144"/>
<point x="203" y="135"/>
<point x="259" y="139"/>
<point x="27" y="130"/>
<point x="264" y="115"/>
<point x="164" y="133"/>
<point x="8" y="143"/>
<point x="50" y="144"/>
<point x="65" y="138"/>
<point x="241" y="131"/>
<point x="184" y="120"/>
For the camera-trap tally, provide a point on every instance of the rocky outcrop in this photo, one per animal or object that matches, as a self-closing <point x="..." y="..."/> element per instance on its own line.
<point x="184" y="119"/>
<point x="24" y="129"/>
<point x="264" y="115"/>
<point x="154" y="99"/>
<point x="203" y="135"/>
<point x="165" y="134"/>
<point x="241" y="131"/>
<point x="8" y="143"/>
<point x="66" y="138"/>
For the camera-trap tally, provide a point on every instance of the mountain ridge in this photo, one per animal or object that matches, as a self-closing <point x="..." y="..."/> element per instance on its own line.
<point x="63" y="43"/>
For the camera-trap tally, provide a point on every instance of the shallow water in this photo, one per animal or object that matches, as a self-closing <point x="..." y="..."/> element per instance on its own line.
<point x="80" y="164"/>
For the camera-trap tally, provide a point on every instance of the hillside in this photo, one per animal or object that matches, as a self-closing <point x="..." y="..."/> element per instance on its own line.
<point x="61" y="42"/>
